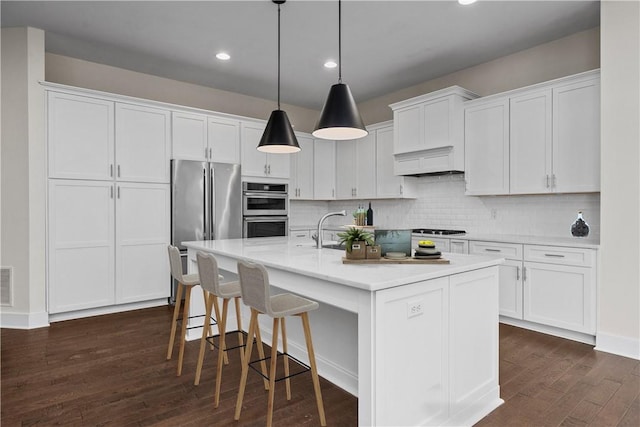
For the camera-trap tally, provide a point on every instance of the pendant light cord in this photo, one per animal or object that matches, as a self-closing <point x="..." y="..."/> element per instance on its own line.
<point x="278" y="56"/>
<point x="339" y="41"/>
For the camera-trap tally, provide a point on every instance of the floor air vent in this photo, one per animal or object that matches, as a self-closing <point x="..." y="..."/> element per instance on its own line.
<point x="6" y="286"/>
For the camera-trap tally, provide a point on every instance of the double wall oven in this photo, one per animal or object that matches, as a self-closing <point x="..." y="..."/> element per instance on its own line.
<point x="265" y="209"/>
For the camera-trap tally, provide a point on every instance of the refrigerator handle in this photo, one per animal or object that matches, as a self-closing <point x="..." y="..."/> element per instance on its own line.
<point x="212" y="203"/>
<point x="205" y="204"/>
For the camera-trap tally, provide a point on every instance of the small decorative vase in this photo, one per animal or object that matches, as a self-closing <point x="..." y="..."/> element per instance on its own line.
<point x="358" y="250"/>
<point x="579" y="228"/>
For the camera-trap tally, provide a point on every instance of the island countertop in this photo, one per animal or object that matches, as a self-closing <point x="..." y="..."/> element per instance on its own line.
<point x="326" y="264"/>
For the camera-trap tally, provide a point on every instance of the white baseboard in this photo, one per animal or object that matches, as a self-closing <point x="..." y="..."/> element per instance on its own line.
<point x="24" y="320"/>
<point x="550" y="330"/>
<point x="79" y="314"/>
<point x="622" y="346"/>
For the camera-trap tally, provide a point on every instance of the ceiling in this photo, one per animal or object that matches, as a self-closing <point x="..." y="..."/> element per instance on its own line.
<point x="386" y="45"/>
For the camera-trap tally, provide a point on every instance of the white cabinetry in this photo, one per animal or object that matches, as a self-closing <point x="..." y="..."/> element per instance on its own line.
<point x="539" y="139"/>
<point x="429" y="132"/>
<point x="256" y="163"/>
<point x="302" y="167"/>
<point x="324" y="172"/>
<point x="80" y="137"/>
<point x="142" y="143"/>
<point x="205" y="138"/>
<point x="389" y="185"/>
<point x="356" y="168"/>
<point x="107" y="243"/>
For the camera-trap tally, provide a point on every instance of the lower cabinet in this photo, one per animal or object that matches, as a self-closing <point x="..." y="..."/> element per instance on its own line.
<point x="106" y="243"/>
<point x="547" y="285"/>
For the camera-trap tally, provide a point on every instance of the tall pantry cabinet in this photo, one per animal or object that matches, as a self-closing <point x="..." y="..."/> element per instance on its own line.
<point x="108" y="201"/>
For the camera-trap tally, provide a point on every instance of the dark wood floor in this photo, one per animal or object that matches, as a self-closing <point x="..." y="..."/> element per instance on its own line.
<point x="111" y="370"/>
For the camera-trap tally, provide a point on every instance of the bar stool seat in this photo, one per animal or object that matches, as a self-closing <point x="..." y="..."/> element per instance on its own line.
<point x="256" y="293"/>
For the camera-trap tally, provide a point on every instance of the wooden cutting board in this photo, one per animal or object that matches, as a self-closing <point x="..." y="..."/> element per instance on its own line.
<point x="395" y="261"/>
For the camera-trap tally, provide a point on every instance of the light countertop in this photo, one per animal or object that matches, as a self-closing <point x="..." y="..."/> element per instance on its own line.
<point x="326" y="264"/>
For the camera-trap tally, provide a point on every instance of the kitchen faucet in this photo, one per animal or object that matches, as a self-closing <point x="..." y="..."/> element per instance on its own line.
<point x="319" y="231"/>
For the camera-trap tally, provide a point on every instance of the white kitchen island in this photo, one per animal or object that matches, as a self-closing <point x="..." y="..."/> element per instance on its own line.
<point x="418" y="344"/>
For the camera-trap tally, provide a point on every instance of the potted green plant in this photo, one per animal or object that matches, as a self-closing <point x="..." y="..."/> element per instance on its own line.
<point x="355" y="240"/>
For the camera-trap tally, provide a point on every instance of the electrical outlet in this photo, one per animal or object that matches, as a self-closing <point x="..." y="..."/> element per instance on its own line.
<point x="494" y="213"/>
<point x="415" y="308"/>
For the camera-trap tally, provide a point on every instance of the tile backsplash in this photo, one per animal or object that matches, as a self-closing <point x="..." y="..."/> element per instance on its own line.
<point x="441" y="203"/>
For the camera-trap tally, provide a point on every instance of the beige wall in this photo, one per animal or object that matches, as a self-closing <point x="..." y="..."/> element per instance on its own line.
<point x="619" y="294"/>
<point x="23" y="170"/>
<point x="569" y="55"/>
<point x="90" y="75"/>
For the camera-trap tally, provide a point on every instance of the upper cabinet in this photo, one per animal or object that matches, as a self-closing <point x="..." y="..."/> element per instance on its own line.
<point x="205" y="138"/>
<point x="540" y="139"/>
<point x="92" y="138"/>
<point x="324" y="172"/>
<point x="389" y="185"/>
<point x="142" y="143"/>
<point x="302" y="167"/>
<point x="429" y="132"/>
<point x="356" y="168"/>
<point x="256" y="163"/>
<point x="80" y="137"/>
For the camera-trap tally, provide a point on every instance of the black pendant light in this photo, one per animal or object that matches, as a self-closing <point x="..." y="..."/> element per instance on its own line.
<point x="340" y="118"/>
<point x="278" y="136"/>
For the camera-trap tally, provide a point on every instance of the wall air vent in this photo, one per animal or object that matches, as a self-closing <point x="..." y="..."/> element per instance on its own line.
<point x="6" y="286"/>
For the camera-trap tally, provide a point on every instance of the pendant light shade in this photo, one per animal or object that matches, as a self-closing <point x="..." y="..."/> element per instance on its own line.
<point x="340" y="118"/>
<point x="278" y="136"/>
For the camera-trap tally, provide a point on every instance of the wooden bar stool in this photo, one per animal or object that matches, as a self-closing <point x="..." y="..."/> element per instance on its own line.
<point x="210" y="282"/>
<point x="255" y="288"/>
<point x="186" y="282"/>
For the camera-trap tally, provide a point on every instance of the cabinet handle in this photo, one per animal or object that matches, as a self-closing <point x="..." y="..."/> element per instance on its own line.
<point x="553" y="180"/>
<point x="524" y="273"/>
<point x="299" y="192"/>
<point x="111" y="170"/>
<point x="401" y="189"/>
<point x="269" y="169"/>
<point x="333" y="193"/>
<point x="118" y="171"/>
<point x="554" y="255"/>
<point x="492" y="250"/>
<point x="517" y="273"/>
<point x="111" y="192"/>
<point x="118" y="192"/>
<point x="547" y="181"/>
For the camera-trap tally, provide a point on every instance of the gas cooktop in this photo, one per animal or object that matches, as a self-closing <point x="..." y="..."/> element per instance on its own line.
<point x="437" y="231"/>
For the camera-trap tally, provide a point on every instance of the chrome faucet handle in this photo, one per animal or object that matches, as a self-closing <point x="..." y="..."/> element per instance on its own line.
<point x="314" y="236"/>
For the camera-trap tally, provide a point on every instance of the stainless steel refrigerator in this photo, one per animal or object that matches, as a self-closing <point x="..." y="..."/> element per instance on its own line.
<point x="206" y="204"/>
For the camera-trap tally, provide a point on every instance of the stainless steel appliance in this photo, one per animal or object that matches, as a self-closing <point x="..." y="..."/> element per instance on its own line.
<point x="265" y="209"/>
<point x="437" y="231"/>
<point x="206" y="203"/>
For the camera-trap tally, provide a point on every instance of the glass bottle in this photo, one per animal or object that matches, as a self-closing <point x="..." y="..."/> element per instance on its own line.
<point x="580" y="228"/>
<point x="369" y="215"/>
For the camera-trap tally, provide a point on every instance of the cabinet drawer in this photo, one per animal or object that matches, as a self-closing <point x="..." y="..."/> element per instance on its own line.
<point x="558" y="255"/>
<point x="507" y="250"/>
<point x="299" y="234"/>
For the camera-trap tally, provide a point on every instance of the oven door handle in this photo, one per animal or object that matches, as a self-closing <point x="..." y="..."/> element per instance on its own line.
<point x="266" y="195"/>
<point x="265" y="218"/>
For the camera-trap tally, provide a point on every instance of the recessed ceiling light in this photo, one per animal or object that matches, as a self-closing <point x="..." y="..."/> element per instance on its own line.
<point x="466" y="2"/>
<point x="330" y="64"/>
<point x="223" y="56"/>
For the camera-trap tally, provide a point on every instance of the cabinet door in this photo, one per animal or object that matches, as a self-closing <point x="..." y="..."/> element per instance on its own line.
<point x="486" y="143"/>
<point x="189" y="136"/>
<point x="576" y="137"/>
<point x="560" y="295"/>
<point x="510" y="289"/>
<point x="278" y="165"/>
<point x="530" y="143"/>
<point x="80" y="137"/>
<point x="142" y="236"/>
<point x="81" y="246"/>
<point x="324" y="170"/>
<point x="409" y="128"/>
<point x="387" y="184"/>
<point x="142" y="143"/>
<point x="254" y="162"/>
<point x="346" y="169"/>
<point x="302" y="167"/>
<point x="459" y="246"/>
<point x="224" y="140"/>
<point x="437" y="123"/>
<point x="366" y="171"/>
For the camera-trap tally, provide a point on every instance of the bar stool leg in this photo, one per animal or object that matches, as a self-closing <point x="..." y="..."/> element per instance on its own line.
<point x="222" y="327"/>
<point x="245" y="365"/>
<point x="314" y="370"/>
<point x="286" y="358"/>
<point x="239" y="323"/>
<point x="206" y="327"/>
<point x="185" y="320"/>
<point x="216" y="308"/>
<point x="174" y="323"/>
<point x="272" y="371"/>
<point x="205" y="294"/>
<point x="263" y="364"/>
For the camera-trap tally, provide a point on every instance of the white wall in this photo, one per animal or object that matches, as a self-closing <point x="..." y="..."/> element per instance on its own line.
<point x="619" y="293"/>
<point x="440" y="203"/>
<point x="23" y="186"/>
